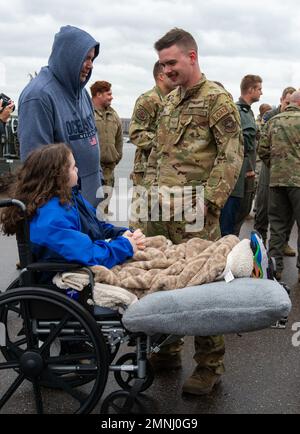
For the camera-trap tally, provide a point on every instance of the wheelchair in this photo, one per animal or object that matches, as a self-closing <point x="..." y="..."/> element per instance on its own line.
<point x="57" y="350"/>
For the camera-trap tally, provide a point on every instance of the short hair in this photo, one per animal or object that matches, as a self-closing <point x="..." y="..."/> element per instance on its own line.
<point x="249" y="81"/>
<point x="157" y="69"/>
<point x="263" y="108"/>
<point x="100" y="86"/>
<point x="287" y="90"/>
<point x="176" y="37"/>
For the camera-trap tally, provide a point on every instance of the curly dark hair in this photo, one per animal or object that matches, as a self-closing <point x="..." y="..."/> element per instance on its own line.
<point x="44" y="174"/>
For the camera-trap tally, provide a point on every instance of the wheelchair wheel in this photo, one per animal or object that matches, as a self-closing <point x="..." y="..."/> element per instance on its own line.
<point x="31" y="343"/>
<point x="125" y="379"/>
<point x="116" y="403"/>
<point x="15" y="284"/>
<point x="60" y="346"/>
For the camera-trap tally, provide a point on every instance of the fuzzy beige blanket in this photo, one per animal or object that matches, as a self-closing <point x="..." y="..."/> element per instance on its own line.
<point x="163" y="265"/>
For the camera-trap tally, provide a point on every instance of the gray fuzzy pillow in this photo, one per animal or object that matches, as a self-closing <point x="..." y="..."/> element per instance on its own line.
<point x="242" y="305"/>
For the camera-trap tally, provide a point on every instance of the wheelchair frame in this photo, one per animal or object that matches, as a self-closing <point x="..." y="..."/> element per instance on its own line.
<point x="51" y="341"/>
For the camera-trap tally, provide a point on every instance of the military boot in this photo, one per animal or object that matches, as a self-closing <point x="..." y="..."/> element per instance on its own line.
<point x="165" y="361"/>
<point x="201" y="382"/>
<point x="288" y="250"/>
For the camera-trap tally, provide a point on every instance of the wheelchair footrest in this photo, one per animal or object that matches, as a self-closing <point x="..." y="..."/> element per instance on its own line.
<point x="105" y="313"/>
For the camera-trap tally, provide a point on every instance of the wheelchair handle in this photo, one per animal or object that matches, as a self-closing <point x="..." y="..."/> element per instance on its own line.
<point x="12" y="202"/>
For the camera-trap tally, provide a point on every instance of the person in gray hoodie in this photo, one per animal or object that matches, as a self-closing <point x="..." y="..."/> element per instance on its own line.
<point x="55" y="107"/>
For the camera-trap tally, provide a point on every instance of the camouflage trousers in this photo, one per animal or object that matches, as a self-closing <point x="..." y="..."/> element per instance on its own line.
<point x="176" y="230"/>
<point x="209" y="350"/>
<point x="283" y="205"/>
<point x="109" y="180"/>
<point x="261" y="223"/>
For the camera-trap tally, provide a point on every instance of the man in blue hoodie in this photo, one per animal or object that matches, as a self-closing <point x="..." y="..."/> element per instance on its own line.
<point x="55" y="107"/>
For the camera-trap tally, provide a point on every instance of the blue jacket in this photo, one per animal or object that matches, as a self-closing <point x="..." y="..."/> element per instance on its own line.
<point x="54" y="107"/>
<point x="72" y="233"/>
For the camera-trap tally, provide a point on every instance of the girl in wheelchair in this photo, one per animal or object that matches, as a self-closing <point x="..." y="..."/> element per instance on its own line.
<point x="63" y="225"/>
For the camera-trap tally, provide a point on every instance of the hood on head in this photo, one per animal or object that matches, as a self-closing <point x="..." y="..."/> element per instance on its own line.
<point x="70" y="48"/>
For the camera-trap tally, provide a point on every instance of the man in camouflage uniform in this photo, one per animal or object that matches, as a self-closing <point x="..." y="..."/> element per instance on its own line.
<point x="109" y="127"/>
<point x="262" y="197"/>
<point x="279" y="149"/>
<point x="199" y="143"/>
<point x="142" y="128"/>
<point x="263" y="108"/>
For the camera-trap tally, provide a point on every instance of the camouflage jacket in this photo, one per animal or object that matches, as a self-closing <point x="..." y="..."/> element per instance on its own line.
<point x="270" y="114"/>
<point x="279" y="148"/>
<point x="109" y="127"/>
<point x="199" y="141"/>
<point x="143" y="126"/>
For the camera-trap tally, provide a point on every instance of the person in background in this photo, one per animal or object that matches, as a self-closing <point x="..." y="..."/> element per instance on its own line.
<point x="261" y="219"/>
<point x="5" y="113"/>
<point x="143" y="125"/>
<point x="263" y="108"/>
<point x="251" y="91"/>
<point x="279" y="150"/>
<point x="109" y="127"/>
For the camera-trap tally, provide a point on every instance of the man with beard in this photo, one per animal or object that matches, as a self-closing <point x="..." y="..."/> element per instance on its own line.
<point x="251" y="91"/>
<point x="55" y="107"/>
<point x="198" y="146"/>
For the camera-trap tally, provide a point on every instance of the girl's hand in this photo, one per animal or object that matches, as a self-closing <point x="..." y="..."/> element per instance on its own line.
<point x="136" y="238"/>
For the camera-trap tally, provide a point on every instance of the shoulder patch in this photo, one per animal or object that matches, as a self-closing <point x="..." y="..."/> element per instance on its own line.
<point x="141" y="114"/>
<point x="229" y="124"/>
<point x="220" y="113"/>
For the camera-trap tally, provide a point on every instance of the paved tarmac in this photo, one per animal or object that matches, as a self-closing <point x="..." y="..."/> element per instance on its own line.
<point x="262" y="368"/>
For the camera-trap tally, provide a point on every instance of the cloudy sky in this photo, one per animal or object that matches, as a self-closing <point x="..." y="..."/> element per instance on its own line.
<point x="235" y="38"/>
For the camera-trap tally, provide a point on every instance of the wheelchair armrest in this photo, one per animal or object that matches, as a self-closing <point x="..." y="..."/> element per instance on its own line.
<point x="58" y="267"/>
<point x="53" y="266"/>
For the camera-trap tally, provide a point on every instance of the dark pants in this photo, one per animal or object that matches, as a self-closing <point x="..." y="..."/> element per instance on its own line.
<point x="261" y="222"/>
<point x="229" y="215"/>
<point x="283" y="205"/>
